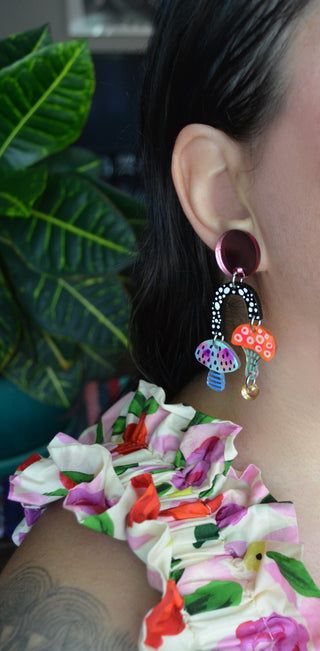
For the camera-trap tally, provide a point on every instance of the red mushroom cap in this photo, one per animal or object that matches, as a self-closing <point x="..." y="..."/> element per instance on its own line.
<point x="255" y="338"/>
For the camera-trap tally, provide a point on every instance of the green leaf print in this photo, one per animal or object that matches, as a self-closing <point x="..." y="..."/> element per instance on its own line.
<point x="101" y="523"/>
<point x="163" y="488"/>
<point x="176" y="575"/>
<point x="180" y="461"/>
<point x="77" y="477"/>
<point x="226" y="467"/>
<point x="200" y="419"/>
<point x="268" y="499"/>
<point x="119" y="426"/>
<point x="205" y="532"/>
<point x="175" y="562"/>
<point x="213" y="596"/>
<point x="60" y="492"/>
<point x="137" y="404"/>
<point x="99" y="433"/>
<point x="296" y="574"/>
<point x="151" y="406"/>
<point x="119" y="470"/>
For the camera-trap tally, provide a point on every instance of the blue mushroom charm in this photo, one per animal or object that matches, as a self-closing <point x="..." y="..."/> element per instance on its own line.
<point x="219" y="358"/>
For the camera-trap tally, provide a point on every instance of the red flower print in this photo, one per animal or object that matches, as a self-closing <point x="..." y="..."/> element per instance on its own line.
<point x="66" y="482"/>
<point x="134" y="437"/>
<point x="32" y="459"/>
<point x="147" y="506"/>
<point x="166" y="618"/>
<point x="195" y="509"/>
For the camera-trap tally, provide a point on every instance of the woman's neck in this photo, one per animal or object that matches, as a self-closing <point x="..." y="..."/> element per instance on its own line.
<point x="280" y="432"/>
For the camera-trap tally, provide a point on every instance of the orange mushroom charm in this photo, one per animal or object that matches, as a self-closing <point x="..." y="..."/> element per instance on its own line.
<point x="257" y="343"/>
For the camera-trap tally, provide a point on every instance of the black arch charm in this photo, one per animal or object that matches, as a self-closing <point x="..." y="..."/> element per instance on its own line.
<point x="239" y="289"/>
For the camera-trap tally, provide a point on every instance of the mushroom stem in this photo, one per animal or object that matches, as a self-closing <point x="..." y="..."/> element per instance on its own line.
<point x="252" y="359"/>
<point x="216" y="381"/>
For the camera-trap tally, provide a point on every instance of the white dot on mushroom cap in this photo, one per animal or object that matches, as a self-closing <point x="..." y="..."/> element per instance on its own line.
<point x="258" y="349"/>
<point x="260" y="332"/>
<point x="245" y="330"/>
<point x="269" y="345"/>
<point x="267" y="354"/>
<point x="238" y="338"/>
<point x="250" y="340"/>
<point x="260" y="339"/>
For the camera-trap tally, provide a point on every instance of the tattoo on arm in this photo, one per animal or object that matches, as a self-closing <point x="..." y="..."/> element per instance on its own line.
<point x="37" y="613"/>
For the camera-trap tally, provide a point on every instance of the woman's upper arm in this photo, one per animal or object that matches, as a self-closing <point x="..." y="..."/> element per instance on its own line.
<point x="68" y="587"/>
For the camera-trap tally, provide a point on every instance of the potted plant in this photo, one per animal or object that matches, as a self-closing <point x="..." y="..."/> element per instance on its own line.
<point x="67" y="239"/>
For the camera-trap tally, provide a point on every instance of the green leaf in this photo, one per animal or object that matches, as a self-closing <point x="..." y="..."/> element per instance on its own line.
<point x="296" y="574"/>
<point x="132" y="207"/>
<point x="18" y="192"/>
<point x="98" y="365"/>
<point x="9" y="324"/>
<point x="213" y="596"/>
<point x="205" y="532"/>
<point x="17" y="46"/>
<point x="90" y="311"/>
<point x="101" y="523"/>
<point x="45" y="99"/>
<point x="36" y="371"/>
<point x="77" y="160"/>
<point x="73" y="230"/>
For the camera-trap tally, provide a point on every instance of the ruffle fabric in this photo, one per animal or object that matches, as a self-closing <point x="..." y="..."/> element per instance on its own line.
<point x="222" y="552"/>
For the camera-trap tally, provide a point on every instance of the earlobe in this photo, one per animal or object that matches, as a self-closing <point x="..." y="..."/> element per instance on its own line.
<point x="206" y="171"/>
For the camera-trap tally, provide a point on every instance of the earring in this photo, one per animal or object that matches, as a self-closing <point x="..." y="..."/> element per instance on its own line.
<point x="238" y="256"/>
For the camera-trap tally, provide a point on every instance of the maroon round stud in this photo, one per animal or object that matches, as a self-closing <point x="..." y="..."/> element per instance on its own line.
<point x="237" y="252"/>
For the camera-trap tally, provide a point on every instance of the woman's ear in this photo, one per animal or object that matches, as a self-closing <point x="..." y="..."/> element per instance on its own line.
<point x="209" y="175"/>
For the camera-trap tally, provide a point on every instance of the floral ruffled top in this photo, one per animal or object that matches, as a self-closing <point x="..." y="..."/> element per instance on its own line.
<point x="222" y="552"/>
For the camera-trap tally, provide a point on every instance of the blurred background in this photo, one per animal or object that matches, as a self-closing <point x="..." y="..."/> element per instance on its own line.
<point x="117" y="32"/>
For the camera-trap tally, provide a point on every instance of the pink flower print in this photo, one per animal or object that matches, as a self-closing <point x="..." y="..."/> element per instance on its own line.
<point x="230" y="514"/>
<point x="82" y="498"/>
<point x="275" y="632"/>
<point x="198" y="463"/>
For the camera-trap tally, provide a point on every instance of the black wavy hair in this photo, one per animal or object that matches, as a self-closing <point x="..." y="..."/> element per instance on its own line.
<point x="216" y="62"/>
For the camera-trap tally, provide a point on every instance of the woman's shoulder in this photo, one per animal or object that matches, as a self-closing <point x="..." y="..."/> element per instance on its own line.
<point x="69" y="587"/>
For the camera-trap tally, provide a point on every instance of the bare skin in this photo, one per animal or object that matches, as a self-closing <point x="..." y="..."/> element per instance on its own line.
<point x="68" y="587"/>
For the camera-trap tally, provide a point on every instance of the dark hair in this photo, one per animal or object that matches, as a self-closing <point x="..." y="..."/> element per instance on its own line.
<point x="214" y="62"/>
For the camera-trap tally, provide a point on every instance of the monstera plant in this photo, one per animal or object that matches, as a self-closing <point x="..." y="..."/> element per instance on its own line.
<point x="67" y="240"/>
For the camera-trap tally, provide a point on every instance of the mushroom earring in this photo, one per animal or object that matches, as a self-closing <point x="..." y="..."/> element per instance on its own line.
<point x="238" y="256"/>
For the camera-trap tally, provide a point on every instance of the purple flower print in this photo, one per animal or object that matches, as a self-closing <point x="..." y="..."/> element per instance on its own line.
<point x="198" y="463"/>
<point x="275" y="632"/>
<point x="230" y="514"/>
